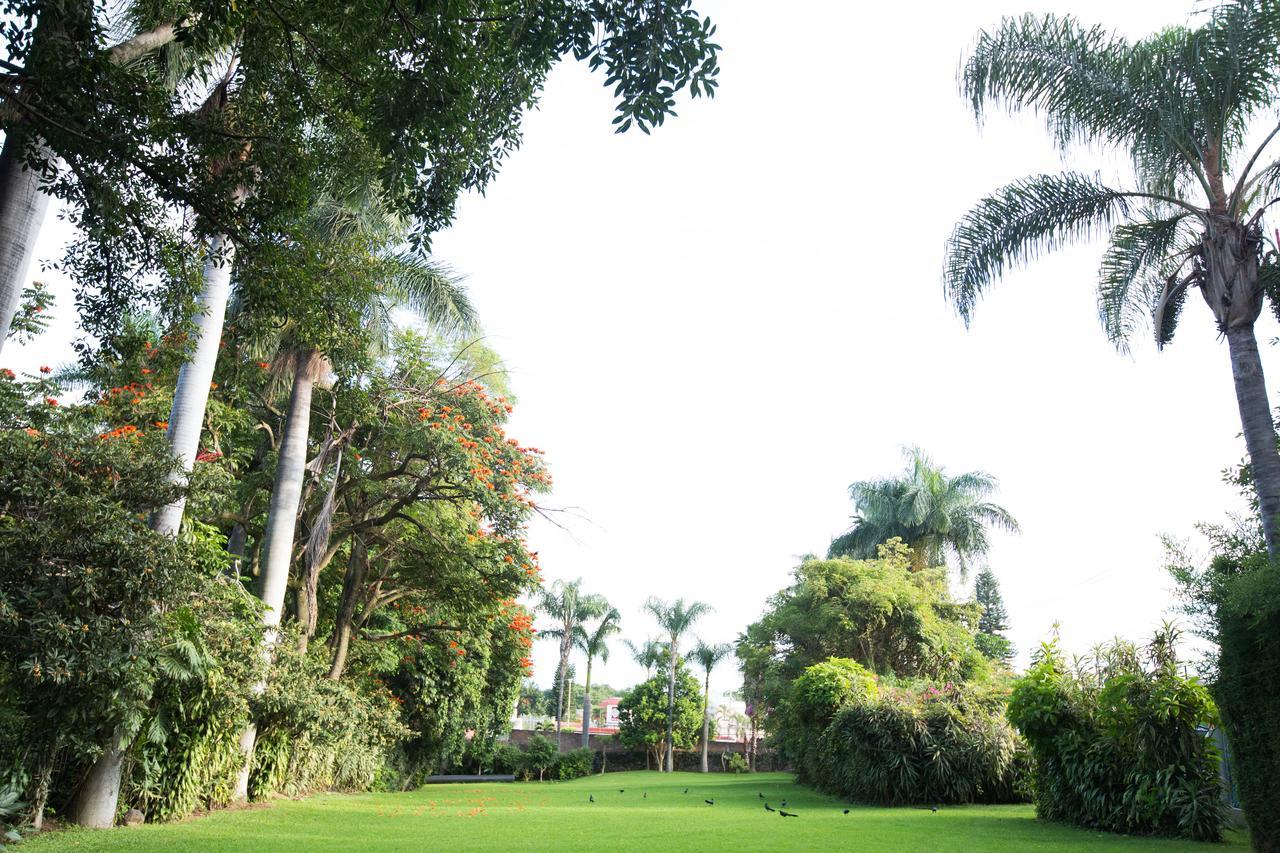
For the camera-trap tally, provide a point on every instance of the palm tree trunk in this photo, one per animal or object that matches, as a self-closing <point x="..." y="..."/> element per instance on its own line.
<point x="586" y="708"/>
<point x="706" y="720"/>
<point x="95" y="804"/>
<point x="561" y="673"/>
<point x="277" y="540"/>
<point x="1259" y="429"/>
<point x="191" y="394"/>
<point x="23" y="207"/>
<point x="671" y="710"/>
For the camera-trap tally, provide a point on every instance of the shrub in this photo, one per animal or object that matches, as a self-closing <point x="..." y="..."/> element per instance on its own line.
<point x="813" y="702"/>
<point x="318" y="733"/>
<point x="540" y="756"/>
<point x="574" y="764"/>
<point x="1119" y="745"/>
<point x="930" y="744"/>
<point x="738" y="763"/>
<point x="1235" y="604"/>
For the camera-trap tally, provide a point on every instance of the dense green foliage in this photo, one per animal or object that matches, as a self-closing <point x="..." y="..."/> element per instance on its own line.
<point x="552" y="817"/>
<point x="1234" y="603"/>
<point x="880" y="613"/>
<point x="1119" y="741"/>
<point x="106" y="628"/>
<point x="897" y="744"/>
<point x="114" y="630"/>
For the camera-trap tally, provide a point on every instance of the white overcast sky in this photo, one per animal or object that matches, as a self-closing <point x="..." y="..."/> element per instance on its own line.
<point x="713" y="330"/>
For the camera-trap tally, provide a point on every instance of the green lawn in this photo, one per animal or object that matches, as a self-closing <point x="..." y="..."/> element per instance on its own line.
<point x="558" y="816"/>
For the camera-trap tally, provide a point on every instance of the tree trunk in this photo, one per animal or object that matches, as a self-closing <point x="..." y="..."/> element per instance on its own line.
<point x="95" y="804"/>
<point x="586" y="708"/>
<point x="40" y="789"/>
<point x="282" y="519"/>
<point x="671" y="710"/>
<point x="186" y="419"/>
<point x="23" y="207"/>
<point x="562" y="672"/>
<point x="706" y="721"/>
<point x="191" y="394"/>
<point x="1259" y="430"/>
<point x="357" y="566"/>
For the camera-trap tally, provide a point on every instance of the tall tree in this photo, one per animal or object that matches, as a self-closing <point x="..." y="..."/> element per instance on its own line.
<point x="675" y="618"/>
<point x="569" y="607"/>
<point x="707" y="656"/>
<point x="1181" y="104"/>
<point x="935" y="514"/>
<point x="994" y="621"/>
<point x="595" y="644"/>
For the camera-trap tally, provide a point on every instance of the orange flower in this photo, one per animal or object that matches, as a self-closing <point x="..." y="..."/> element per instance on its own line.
<point x="44" y="368"/>
<point x="145" y="371"/>
<point x="213" y="386"/>
<point x="162" y="424"/>
<point x="51" y="401"/>
<point x="264" y="365"/>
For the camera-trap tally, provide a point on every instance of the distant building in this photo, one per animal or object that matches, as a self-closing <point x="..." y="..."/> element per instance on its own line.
<point x="609" y="707"/>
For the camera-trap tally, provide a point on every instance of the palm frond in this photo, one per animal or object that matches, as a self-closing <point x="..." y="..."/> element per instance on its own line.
<point x="1021" y="221"/>
<point x="1136" y="250"/>
<point x="1088" y="84"/>
<point x="431" y="289"/>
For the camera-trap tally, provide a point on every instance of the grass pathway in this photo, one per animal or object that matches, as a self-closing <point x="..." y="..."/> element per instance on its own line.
<point x="560" y="816"/>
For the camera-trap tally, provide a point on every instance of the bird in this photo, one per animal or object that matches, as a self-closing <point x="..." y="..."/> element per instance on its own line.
<point x="769" y="808"/>
<point x="761" y="796"/>
<point x="788" y="814"/>
<point x="686" y="790"/>
<point x="846" y="811"/>
<point x="591" y="798"/>
<point x="784" y="804"/>
<point x="934" y="809"/>
<point x="646" y="796"/>
<point x="622" y="790"/>
<point x="710" y="802"/>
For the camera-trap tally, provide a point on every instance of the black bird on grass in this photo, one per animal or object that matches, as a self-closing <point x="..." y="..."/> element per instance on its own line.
<point x="646" y="796"/>
<point x="686" y="790"/>
<point x="591" y="798"/>
<point x="846" y="811"/>
<point x="769" y="808"/>
<point x="622" y="790"/>
<point x="934" y="809"/>
<point x="710" y="802"/>
<point x="788" y="814"/>
<point x="761" y="796"/>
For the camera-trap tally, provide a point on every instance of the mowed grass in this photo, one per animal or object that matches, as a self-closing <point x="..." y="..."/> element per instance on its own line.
<point x="559" y="816"/>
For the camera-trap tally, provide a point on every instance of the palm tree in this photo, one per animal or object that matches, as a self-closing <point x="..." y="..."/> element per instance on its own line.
<point x="675" y="618"/>
<point x="569" y="606"/>
<point x="933" y="513"/>
<point x="595" y="644"/>
<point x="707" y="657"/>
<point x="1180" y="104"/>
<point x="401" y="279"/>
<point x="648" y="654"/>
